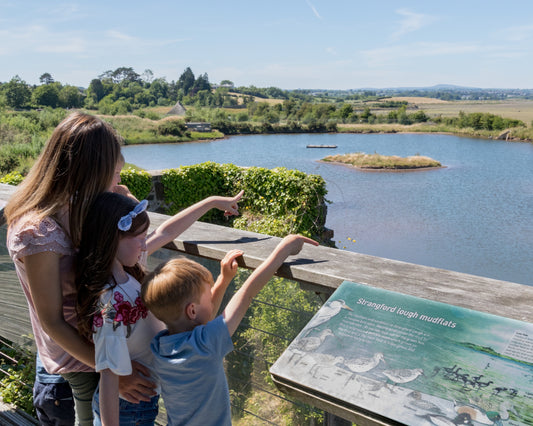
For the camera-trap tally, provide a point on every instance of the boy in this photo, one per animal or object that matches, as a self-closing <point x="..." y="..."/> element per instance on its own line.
<point x="189" y="355"/>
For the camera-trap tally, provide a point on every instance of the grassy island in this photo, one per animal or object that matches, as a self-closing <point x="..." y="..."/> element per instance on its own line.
<point x="383" y="162"/>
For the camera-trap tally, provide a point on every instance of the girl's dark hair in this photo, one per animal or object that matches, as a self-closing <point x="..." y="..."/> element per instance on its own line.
<point x="100" y="237"/>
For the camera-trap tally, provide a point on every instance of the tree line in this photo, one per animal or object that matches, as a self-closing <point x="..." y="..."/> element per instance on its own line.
<point x="123" y="90"/>
<point x="233" y="109"/>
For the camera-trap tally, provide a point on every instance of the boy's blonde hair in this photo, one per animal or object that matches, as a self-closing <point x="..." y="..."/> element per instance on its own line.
<point x="172" y="285"/>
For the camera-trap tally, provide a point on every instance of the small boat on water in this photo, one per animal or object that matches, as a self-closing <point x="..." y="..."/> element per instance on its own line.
<point x="321" y="146"/>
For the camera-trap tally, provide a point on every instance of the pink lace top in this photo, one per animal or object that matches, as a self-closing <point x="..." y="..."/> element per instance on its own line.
<point x="29" y="236"/>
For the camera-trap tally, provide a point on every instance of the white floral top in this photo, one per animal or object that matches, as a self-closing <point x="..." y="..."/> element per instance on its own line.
<point x="123" y="329"/>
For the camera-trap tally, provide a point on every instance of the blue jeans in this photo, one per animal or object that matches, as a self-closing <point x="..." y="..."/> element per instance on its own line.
<point x="142" y="414"/>
<point x="53" y="404"/>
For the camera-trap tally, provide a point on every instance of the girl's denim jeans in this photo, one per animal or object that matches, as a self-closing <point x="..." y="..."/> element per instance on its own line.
<point x="142" y="414"/>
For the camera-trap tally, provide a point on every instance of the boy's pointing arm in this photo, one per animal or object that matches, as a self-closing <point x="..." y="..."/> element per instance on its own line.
<point x="239" y="303"/>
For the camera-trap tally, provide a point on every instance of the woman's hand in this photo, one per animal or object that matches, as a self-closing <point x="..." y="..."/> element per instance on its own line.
<point x="137" y="386"/>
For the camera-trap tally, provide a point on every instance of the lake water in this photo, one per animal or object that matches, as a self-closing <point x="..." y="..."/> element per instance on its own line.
<point x="473" y="216"/>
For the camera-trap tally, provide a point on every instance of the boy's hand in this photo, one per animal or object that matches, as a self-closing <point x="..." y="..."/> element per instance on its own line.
<point x="294" y="243"/>
<point x="229" y="204"/>
<point x="228" y="265"/>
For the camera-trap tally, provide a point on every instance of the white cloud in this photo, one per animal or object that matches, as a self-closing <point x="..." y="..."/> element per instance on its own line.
<point x="34" y="39"/>
<point x="37" y="38"/>
<point x="313" y="8"/>
<point x="117" y="35"/>
<point x="517" y="33"/>
<point x="411" y="22"/>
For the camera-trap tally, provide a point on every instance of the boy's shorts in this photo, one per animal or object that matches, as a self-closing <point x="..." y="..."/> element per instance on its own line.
<point x="54" y="404"/>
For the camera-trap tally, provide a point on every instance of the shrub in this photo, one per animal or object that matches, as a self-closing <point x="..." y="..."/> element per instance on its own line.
<point x="139" y="182"/>
<point x="276" y="201"/>
<point x="13" y="178"/>
<point x="172" y="127"/>
<point x="16" y="385"/>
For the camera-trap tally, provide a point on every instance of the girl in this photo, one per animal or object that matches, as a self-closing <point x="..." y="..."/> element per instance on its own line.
<point x="44" y="217"/>
<point x="109" y="306"/>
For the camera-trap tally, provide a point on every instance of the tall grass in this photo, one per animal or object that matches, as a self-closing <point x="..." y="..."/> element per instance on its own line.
<point x="23" y="135"/>
<point x="377" y="161"/>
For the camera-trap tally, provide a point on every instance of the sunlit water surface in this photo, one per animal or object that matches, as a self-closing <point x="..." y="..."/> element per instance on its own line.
<point x="473" y="216"/>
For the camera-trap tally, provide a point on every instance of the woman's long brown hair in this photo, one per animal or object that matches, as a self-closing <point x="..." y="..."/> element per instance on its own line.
<point x="76" y="164"/>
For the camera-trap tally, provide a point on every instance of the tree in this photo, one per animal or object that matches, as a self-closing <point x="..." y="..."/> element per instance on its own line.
<point x="186" y="81"/>
<point x="46" y="78"/>
<point x="96" y="90"/>
<point x="121" y="75"/>
<point x="201" y="83"/>
<point x="70" y="97"/>
<point x="17" y="92"/>
<point x="159" y="88"/>
<point x="366" y="114"/>
<point x="46" y="95"/>
<point x="148" y="76"/>
<point x="345" y="111"/>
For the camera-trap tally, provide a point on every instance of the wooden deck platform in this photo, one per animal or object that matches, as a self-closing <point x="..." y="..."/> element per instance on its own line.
<point x="11" y="416"/>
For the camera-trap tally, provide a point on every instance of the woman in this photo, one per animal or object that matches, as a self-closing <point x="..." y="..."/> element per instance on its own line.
<point x="45" y="217"/>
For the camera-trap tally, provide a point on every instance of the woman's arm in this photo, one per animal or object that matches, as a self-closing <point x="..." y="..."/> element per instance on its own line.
<point x="42" y="270"/>
<point x="109" y="406"/>
<point x="178" y="223"/>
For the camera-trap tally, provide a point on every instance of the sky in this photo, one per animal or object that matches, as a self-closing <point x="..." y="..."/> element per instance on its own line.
<point x="290" y="44"/>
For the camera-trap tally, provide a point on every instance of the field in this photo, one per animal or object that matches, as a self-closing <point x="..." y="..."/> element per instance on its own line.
<point x="520" y="109"/>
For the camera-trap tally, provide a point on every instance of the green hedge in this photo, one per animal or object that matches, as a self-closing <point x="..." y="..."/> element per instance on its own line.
<point x="276" y="201"/>
<point x="139" y="182"/>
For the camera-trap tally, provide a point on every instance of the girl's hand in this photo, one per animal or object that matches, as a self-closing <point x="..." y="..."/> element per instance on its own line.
<point x="229" y="204"/>
<point x="228" y="265"/>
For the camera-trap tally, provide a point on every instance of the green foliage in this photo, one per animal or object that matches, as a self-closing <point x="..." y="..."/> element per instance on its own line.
<point x="189" y="184"/>
<point x="16" y="385"/>
<point x="172" y="127"/>
<point x="275" y="318"/>
<point x="46" y="95"/>
<point x="139" y="182"/>
<point x="151" y="115"/>
<point x="23" y="135"/>
<point x="17" y="93"/>
<point x="8" y="161"/>
<point x="481" y="121"/>
<point x="276" y="201"/>
<point x="13" y="178"/>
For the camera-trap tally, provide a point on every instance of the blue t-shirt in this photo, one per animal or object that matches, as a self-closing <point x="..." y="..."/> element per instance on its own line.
<point x="190" y="368"/>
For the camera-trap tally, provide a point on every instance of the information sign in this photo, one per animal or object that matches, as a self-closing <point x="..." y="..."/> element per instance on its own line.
<point x="414" y="361"/>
